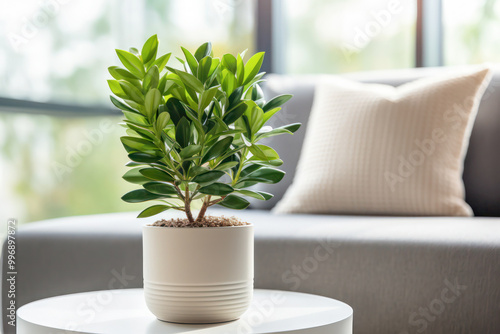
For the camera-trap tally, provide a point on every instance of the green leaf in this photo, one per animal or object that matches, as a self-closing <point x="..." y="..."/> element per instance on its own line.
<point x="156" y="174"/>
<point x="191" y="114"/>
<point x="143" y="157"/>
<point x="145" y="133"/>
<point x="227" y="165"/>
<point x="160" y="188"/>
<point x="191" y="60"/>
<point x="134" y="51"/>
<point x="121" y="105"/>
<point x="121" y="74"/>
<point x="240" y="70"/>
<point x="250" y="169"/>
<point x="204" y="68"/>
<point x="229" y="62"/>
<point x="183" y="132"/>
<point x="258" y="95"/>
<point x="264" y="152"/>
<point x="190" y="151"/>
<point x="152" y="102"/>
<point x="267" y="196"/>
<point x="135" y="118"/>
<point x="175" y="109"/>
<point x="151" y="79"/>
<point x="269" y="114"/>
<point x="217" y="189"/>
<point x="242" y="54"/>
<point x="150" y="49"/>
<point x="217" y="149"/>
<point x="210" y="176"/>
<point x="132" y="92"/>
<point x="131" y="63"/>
<point x="276" y="102"/>
<point x="134" y="105"/>
<point x="153" y="210"/>
<point x="212" y="73"/>
<point x="245" y="184"/>
<point x="266" y="175"/>
<point x="162" y="62"/>
<point x="255" y="116"/>
<point x="235" y="97"/>
<point x="206" y="97"/>
<point x="234" y="202"/>
<point x="134" y="176"/>
<point x="132" y="164"/>
<point x="263" y="196"/>
<point x="289" y="129"/>
<point x="139" y="195"/>
<point x="273" y="163"/>
<point x="137" y="144"/>
<point x="197" y="170"/>
<point x="162" y="121"/>
<point x="252" y="67"/>
<point x="250" y="193"/>
<point x="203" y="51"/>
<point x="228" y="82"/>
<point x="189" y="80"/>
<point x="232" y="115"/>
<point x="117" y="89"/>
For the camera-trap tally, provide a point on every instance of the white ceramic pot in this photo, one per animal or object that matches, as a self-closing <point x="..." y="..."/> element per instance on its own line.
<point x="198" y="275"/>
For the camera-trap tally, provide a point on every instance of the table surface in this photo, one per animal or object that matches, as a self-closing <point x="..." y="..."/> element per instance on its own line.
<point x="125" y="311"/>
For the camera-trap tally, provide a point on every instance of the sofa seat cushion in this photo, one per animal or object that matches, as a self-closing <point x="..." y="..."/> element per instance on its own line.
<point x="391" y="270"/>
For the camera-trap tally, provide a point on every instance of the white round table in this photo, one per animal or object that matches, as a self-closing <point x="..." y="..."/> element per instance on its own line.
<point x="124" y="311"/>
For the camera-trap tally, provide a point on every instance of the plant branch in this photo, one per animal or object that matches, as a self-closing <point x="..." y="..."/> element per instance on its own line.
<point x="216" y="201"/>
<point x="203" y="209"/>
<point x="240" y="167"/>
<point x="187" y="206"/>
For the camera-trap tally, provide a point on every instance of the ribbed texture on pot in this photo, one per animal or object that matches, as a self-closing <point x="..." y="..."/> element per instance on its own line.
<point x="198" y="303"/>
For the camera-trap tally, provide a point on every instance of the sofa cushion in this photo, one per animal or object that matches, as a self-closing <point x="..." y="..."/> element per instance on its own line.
<point x="481" y="179"/>
<point x="376" y="149"/>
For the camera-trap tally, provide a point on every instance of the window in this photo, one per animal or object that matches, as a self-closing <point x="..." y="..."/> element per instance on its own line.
<point x="471" y="30"/>
<point x="335" y="36"/>
<point x="59" y="50"/>
<point x="60" y="166"/>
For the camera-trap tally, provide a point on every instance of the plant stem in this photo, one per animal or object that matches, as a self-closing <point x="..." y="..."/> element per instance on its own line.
<point x="242" y="161"/>
<point x="203" y="209"/>
<point x="187" y="206"/>
<point x="216" y="201"/>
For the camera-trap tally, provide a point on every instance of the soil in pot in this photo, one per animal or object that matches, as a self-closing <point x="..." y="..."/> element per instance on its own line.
<point x="207" y="221"/>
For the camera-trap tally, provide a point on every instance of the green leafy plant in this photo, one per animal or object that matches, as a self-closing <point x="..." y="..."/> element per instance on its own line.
<point x="193" y="133"/>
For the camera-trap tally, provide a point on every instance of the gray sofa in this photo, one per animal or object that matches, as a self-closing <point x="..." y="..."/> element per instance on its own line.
<point x="400" y="274"/>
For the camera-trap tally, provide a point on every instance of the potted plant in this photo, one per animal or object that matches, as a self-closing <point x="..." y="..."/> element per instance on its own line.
<point x="193" y="136"/>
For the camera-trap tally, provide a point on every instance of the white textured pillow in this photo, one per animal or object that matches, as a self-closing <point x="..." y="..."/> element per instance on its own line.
<point x="376" y="149"/>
